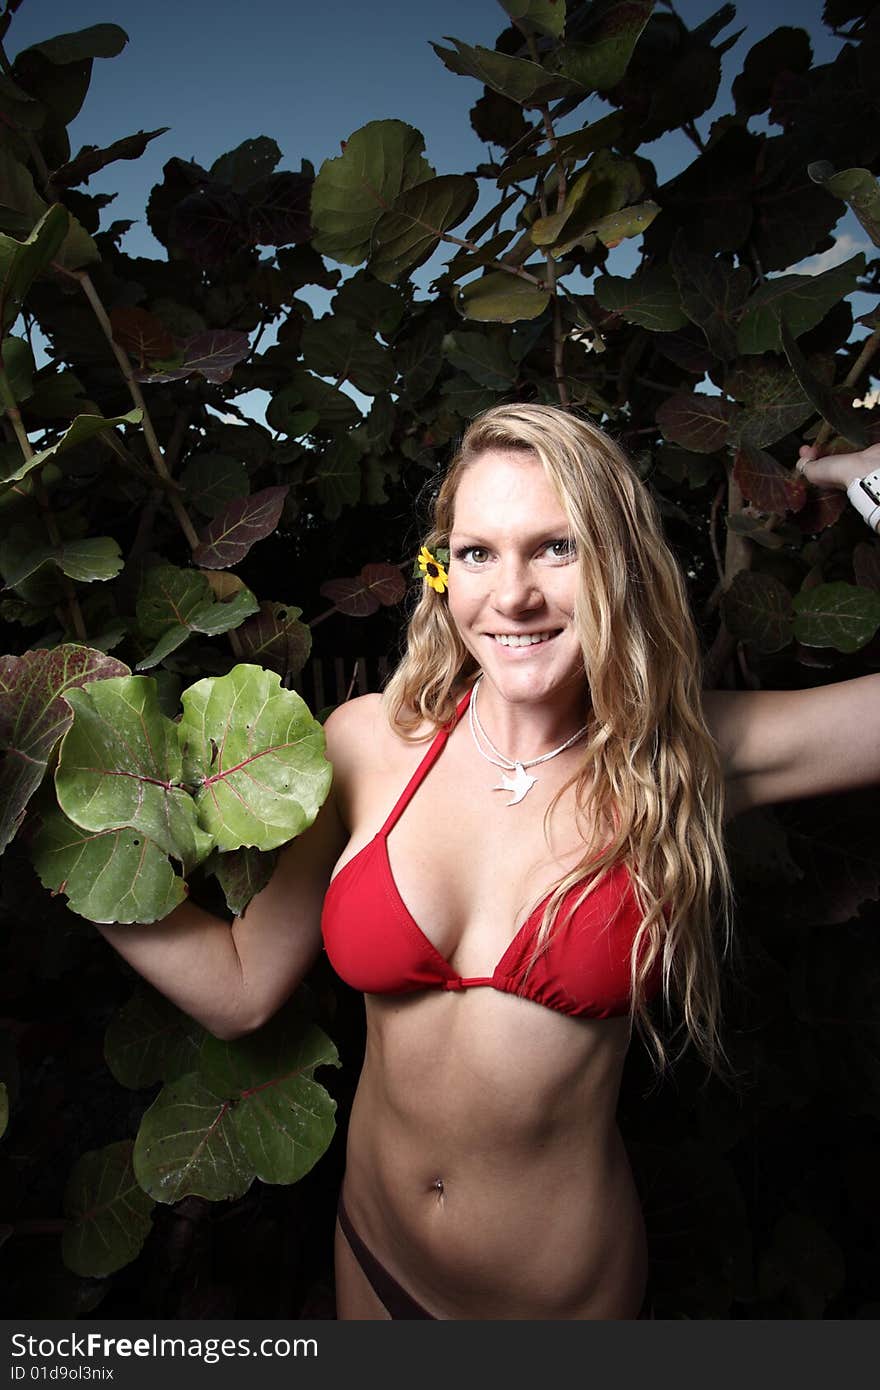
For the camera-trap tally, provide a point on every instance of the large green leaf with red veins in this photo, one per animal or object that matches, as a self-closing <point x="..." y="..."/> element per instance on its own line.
<point x="174" y="603"/>
<point x="352" y="191"/>
<point x="108" y="1214"/>
<point x="120" y="765"/>
<point x="256" y="757"/>
<point x="107" y="875"/>
<point x="34" y="714"/>
<point x="283" y="1119"/>
<point x="245" y="521"/>
<point x="276" y="638"/>
<point x="187" y="1145"/>
<point x="150" y="1040"/>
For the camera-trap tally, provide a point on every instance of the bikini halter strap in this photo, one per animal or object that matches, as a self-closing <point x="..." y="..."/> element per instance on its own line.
<point x="424" y="767"/>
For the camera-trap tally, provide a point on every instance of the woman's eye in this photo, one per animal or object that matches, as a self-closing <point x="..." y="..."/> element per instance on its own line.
<point x="563" y="549"/>
<point x="474" y="554"/>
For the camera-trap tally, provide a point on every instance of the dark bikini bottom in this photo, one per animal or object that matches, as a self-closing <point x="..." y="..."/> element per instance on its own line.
<point x="398" y="1303"/>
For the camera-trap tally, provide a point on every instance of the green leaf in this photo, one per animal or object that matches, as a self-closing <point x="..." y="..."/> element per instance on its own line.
<point x="338" y="476"/>
<point x="757" y="608"/>
<point x="602" y="134"/>
<point x="600" y="60"/>
<point x="351" y="192"/>
<point x="497" y="297"/>
<point x="150" y="1040"/>
<point x="83" y="428"/>
<point x="283" y="1118"/>
<point x="842" y="418"/>
<point x="34" y="715"/>
<point x="262" y="777"/>
<point x="775" y="401"/>
<point x="523" y="81"/>
<point x="376" y="307"/>
<point x="545" y="16"/>
<point x="108" y="1215"/>
<point x="120" y="765"/>
<point x="97" y="41"/>
<point x="20" y="197"/>
<point x="418" y="358"/>
<point x="107" y="876"/>
<point x="22" y="261"/>
<point x="18" y="364"/>
<point x="242" y="873"/>
<point x="293" y="408"/>
<point x="837" y="615"/>
<point x="187" y="1145"/>
<point x="858" y="187"/>
<point x="23" y="551"/>
<point x="337" y="347"/>
<point x="803" y="300"/>
<point x="249" y="162"/>
<point x="650" y="298"/>
<point x="485" y="357"/>
<point x="712" y="295"/>
<point x="406" y="235"/>
<point x="212" y="481"/>
<point x="174" y="603"/>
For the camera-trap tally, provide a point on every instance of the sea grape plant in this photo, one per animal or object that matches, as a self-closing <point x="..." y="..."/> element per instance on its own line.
<point x="162" y="538"/>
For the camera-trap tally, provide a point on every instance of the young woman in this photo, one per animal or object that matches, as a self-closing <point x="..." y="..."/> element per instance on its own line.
<point x="521" y="848"/>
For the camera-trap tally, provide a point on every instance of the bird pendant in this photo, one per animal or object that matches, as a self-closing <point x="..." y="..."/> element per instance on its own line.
<point x="519" y="783"/>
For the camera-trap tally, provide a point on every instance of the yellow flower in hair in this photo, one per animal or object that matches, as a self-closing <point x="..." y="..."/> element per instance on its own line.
<point x="433" y="571"/>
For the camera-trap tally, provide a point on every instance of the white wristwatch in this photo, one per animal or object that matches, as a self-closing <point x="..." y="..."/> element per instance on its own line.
<point x="864" y="493"/>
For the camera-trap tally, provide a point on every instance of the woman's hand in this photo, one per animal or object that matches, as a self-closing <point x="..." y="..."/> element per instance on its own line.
<point x="836" y="470"/>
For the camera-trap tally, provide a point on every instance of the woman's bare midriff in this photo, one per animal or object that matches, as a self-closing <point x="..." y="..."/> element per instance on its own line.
<point x="485" y="1168"/>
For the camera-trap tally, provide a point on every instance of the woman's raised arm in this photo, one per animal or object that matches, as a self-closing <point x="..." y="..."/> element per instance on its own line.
<point x="231" y="978"/>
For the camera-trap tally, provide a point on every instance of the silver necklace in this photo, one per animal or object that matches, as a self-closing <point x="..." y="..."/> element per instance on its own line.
<point x="520" y="783"/>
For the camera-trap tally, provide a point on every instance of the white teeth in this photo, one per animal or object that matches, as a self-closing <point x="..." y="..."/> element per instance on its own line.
<point x="526" y="640"/>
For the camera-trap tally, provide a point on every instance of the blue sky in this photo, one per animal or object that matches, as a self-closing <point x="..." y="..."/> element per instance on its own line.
<point x="221" y="71"/>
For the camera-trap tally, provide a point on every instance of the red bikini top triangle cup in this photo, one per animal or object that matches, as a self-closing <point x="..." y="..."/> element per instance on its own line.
<point x="375" y="945"/>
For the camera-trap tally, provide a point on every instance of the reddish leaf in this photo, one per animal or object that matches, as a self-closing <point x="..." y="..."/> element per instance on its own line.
<point x="244" y="522"/>
<point x="214" y="353"/>
<point x="142" y="334"/>
<point x="90" y="159"/>
<point x="385" y="581"/>
<point x="279" y="209"/>
<point x="767" y="485"/>
<point x="33" y="716"/>
<point x="359" y="597"/>
<point x="275" y="638"/>
<point x="351" y="596"/>
<point x="820" y="510"/>
<point x="700" y="423"/>
<point x="866" y="565"/>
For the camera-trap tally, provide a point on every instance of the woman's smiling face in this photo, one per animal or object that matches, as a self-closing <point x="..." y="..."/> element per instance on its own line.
<point x="513" y="573"/>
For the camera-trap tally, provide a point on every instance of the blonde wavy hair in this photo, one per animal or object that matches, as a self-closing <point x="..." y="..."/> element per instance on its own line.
<point x="649" y="765"/>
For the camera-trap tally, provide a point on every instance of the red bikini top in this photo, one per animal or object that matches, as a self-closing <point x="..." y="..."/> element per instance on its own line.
<point x="375" y="945"/>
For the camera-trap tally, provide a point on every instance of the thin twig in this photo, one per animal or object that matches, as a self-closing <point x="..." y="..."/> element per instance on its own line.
<point x="138" y="397"/>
